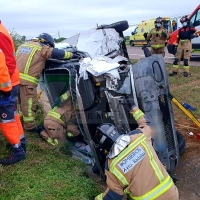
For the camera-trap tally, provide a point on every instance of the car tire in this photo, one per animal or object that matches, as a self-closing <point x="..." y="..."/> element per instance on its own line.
<point x="132" y="43"/>
<point x="118" y="26"/>
<point x="181" y="142"/>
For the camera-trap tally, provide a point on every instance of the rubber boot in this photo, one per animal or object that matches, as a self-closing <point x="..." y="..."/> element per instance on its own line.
<point x="173" y="73"/>
<point x="16" y="155"/>
<point x="185" y="74"/>
<point x="22" y="141"/>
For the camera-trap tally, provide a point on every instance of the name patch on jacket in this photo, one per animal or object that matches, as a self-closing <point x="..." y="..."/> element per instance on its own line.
<point x="131" y="159"/>
<point x="25" y="50"/>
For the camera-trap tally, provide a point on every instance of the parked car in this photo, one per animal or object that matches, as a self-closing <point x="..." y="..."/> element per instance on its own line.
<point x="100" y="96"/>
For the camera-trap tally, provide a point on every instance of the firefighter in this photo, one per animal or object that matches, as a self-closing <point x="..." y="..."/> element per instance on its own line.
<point x="183" y="46"/>
<point x="60" y="122"/>
<point x="10" y="125"/>
<point x="158" y="37"/>
<point x="31" y="59"/>
<point x="132" y="166"/>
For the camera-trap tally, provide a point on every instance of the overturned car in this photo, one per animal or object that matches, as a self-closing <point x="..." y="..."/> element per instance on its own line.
<point x="98" y="82"/>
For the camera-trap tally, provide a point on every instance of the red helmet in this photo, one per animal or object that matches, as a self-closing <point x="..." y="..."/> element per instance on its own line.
<point x="159" y="20"/>
<point x="184" y="19"/>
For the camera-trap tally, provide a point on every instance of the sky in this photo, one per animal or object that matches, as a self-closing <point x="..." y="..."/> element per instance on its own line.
<point x="64" y="18"/>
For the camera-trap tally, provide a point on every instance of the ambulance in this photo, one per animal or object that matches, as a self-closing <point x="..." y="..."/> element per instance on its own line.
<point x="137" y="37"/>
<point x="194" y="21"/>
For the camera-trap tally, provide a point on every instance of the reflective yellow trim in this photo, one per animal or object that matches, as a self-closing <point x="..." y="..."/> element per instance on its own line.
<point x="99" y="197"/>
<point x="153" y="162"/>
<point x="54" y="114"/>
<point x="184" y="40"/>
<point x="5" y="85"/>
<point x="176" y="66"/>
<point x="156" y="192"/>
<point x="30" y="104"/>
<point x="31" y="79"/>
<point x="156" y="32"/>
<point x="126" y="151"/>
<point x="64" y="96"/>
<point x="138" y="114"/>
<point x="67" y="55"/>
<point x="186" y="67"/>
<point x="28" y="63"/>
<point x="52" y="142"/>
<point x="28" y="119"/>
<point x="157" y="46"/>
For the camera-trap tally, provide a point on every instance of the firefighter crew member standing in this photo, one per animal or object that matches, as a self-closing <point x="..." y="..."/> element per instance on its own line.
<point x="10" y="124"/>
<point x="132" y="166"/>
<point x="31" y="59"/>
<point x="183" y="46"/>
<point x="158" y="37"/>
<point x="60" y="122"/>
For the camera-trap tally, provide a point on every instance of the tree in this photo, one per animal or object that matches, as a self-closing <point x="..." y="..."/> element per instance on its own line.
<point x="59" y="40"/>
<point x="17" y="39"/>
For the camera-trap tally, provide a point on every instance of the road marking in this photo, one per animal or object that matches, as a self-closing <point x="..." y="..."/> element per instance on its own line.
<point x="143" y="55"/>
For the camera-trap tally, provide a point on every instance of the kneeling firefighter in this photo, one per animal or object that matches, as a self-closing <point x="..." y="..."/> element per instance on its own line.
<point x="60" y="122"/>
<point x="31" y="58"/>
<point x="132" y="166"/>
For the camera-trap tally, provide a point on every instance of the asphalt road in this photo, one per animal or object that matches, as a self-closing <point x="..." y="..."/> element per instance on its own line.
<point x="137" y="53"/>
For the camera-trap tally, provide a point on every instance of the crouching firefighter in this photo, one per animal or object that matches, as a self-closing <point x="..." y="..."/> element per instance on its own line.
<point x="132" y="166"/>
<point x="60" y="122"/>
<point x="31" y="58"/>
<point x="183" y="47"/>
<point x="10" y="124"/>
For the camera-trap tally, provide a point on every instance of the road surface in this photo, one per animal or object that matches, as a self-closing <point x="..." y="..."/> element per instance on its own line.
<point x="137" y="53"/>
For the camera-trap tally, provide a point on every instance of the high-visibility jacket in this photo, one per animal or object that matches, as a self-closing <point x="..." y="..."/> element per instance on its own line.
<point x="31" y="58"/>
<point x="5" y="83"/>
<point x="157" y="41"/>
<point x="10" y="56"/>
<point x="137" y="171"/>
<point x="64" y="113"/>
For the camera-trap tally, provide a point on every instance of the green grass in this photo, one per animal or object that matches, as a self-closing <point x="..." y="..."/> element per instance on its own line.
<point x="52" y="173"/>
<point x="47" y="173"/>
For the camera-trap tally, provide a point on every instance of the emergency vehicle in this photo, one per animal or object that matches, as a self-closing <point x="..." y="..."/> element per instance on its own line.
<point x="137" y="37"/>
<point x="194" y="21"/>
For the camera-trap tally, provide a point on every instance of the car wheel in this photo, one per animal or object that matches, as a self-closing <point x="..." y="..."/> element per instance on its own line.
<point x="131" y="43"/>
<point x="181" y="142"/>
<point x="118" y="26"/>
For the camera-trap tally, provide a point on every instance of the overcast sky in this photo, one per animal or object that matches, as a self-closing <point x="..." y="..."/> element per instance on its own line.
<point x="68" y="17"/>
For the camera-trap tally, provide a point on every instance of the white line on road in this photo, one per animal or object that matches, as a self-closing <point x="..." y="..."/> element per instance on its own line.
<point x="143" y="55"/>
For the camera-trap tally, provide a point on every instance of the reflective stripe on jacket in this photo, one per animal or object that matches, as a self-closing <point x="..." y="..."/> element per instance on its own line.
<point x="155" y="35"/>
<point x="5" y="83"/>
<point x="14" y="77"/>
<point x="140" y="145"/>
<point x="137" y="170"/>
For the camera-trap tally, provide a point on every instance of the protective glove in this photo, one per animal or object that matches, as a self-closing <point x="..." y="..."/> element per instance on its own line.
<point x="188" y="107"/>
<point x="193" y="36"/>
<point x="145" y="35"/>
<point x="75" y="56"/>
<point x="175" y="50"/>
<point x="129" y="103"/>
<point x="5" y="98"/>
<point x="164" y="35"/>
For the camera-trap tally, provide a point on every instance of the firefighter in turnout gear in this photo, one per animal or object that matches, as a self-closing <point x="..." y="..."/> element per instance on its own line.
<point x="60" y="122"/>
<point x="10" y="124"/>
<point x="183" y="47"/>
<point x="31" y="59"/>
<point x="158" y="37"/>
<point x="132" y="166"/>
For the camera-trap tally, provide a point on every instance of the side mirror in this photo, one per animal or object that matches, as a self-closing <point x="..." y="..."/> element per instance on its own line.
<point x="132" y="33"/>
